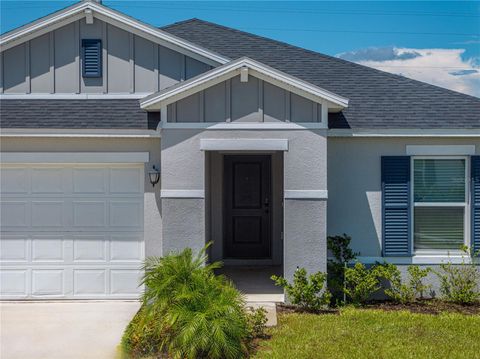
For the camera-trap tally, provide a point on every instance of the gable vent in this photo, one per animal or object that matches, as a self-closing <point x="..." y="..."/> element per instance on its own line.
<point x="92" y="58"/>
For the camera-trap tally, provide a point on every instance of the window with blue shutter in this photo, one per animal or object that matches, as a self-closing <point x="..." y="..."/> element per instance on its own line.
<point x="475" y="170"/>
<point x="396" y="234"/>
<point x="91" y="58"/>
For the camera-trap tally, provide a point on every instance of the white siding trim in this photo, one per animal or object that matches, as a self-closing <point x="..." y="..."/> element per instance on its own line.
<point x="245" y="125"/>
<point x="441" y="150"/>
<point x="425" y="133"/>
<point x="418" y="259"/>
<point x="80" y="133"/>
<point x="244" y="144"/>
<point x="182" y="193"/>
<point x="73" y="96"/>
<point x="74" y="157"/>
<point x="306" y="194"/>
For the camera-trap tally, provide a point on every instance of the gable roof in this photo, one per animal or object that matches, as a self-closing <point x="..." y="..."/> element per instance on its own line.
<point x="90" y="9"/>
<point x="376" y="99"/>
<point x="234" y="68"/>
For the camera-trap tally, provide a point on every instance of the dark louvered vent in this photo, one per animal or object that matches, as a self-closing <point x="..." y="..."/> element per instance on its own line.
<point x="475" y="204"/>
<point x="92" y="58"/>
<point x="396" y="205"/>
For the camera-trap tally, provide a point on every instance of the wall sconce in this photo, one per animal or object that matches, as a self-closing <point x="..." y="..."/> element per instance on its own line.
<point x="154" y="176"/>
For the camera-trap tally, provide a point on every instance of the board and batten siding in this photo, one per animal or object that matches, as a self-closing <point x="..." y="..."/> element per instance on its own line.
<point x="252" y="101"/>
<point x="51" y="63"/>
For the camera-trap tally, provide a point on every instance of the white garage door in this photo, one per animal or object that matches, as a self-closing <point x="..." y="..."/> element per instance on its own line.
<point x="71" y="231"/>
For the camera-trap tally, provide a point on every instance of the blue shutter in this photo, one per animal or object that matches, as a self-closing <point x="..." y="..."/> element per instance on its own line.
<point x="396" y="233"/>
<point x="475" y="170"/>
<point x="92" y="58"/>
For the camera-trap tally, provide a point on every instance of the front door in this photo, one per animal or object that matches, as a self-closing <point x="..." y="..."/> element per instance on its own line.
<point x="248" y="214"/>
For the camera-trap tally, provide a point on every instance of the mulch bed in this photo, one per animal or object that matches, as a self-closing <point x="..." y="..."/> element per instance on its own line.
<point x="423" y="306"/>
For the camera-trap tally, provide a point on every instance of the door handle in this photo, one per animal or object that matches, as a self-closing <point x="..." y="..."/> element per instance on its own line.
<point x="266" y="203"/>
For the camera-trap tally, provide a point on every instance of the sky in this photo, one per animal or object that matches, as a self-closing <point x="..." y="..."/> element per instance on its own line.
<point x="433" y="41"/>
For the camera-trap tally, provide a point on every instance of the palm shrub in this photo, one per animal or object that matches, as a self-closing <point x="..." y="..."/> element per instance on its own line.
<point x="195" y="313"/>
<point x="460" y="283"/>
<point x="306" y="292"/>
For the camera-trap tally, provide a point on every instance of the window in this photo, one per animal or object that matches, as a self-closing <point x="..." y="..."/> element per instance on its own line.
<point x="91" y="58"/>
<point x="440" y="209"/>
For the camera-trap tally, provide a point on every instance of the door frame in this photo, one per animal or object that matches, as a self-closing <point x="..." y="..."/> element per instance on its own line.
<point x="225" y="204"/>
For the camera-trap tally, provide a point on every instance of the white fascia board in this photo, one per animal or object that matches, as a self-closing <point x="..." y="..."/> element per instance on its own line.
<point x="259" y="126"/>
<point x="440" y="150"/>
<point x="74" y="157"/>
<point x="75" y="96"/>
<point x="228" y="144"/>
<point x="233" y="68"/>
<point x="113" y="17"/>
<point x="76" y="133"/>
<point x="426" y="133"/>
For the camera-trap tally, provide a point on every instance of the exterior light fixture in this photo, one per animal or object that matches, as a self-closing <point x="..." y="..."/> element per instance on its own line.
<point x="154" y="176"/>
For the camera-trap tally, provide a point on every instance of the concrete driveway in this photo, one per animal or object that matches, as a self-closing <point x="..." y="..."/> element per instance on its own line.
<point x="63" y="330"/>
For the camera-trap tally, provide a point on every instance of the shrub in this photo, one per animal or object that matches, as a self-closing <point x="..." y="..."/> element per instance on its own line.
<point x="189" y="312"/>
<point x="308" y="293"/>
<point x="339" y="246"/>
<point x="459" y="283"/>
<point x="257" y="321"/>
<point x="405" y="292"/>
<point x="361" y="282"/>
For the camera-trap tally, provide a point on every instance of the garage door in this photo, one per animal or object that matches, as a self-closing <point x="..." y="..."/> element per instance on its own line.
<point x="71" y="231"/>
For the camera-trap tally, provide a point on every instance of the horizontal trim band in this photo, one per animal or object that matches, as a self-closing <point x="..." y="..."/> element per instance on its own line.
<point x="405" y="132"/>
<point x="417" y="259"/>
<point x="244" y="144"/>
<point x="446" y="150"/>
<point x="75" y="96"/>
<point x="306" y="194"/>
<point x="182" y="193"/>
<point x="77" y="133"/>
<point x="245" y="126"/>
<point x="74" y="157"/>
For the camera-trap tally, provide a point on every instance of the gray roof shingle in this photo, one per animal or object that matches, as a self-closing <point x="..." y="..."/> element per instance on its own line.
<point x="377" y="99"/>
<point x="74" y="114"/>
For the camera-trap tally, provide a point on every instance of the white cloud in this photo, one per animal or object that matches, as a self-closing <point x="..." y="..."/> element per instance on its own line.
<point x="441" y="67"/>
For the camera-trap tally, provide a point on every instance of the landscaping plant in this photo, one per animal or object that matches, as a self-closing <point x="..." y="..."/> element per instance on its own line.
<point x="403" y="292"/>
<point x="361" y="282"/>
<point x="257" y="322"/>
<point x="308" y="293"/>
<point x="188" y="312"/>
<point x="460" y="283"/>
<point x="339" y="246"/>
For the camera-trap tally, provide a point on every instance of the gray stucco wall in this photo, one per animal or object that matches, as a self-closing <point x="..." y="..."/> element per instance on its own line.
<point x="252" y="101"/>
<point x="354" y="184"/>
<point x="183" y="168"/>
<point x="51" y="63"/>
<point x="152" y="203"/>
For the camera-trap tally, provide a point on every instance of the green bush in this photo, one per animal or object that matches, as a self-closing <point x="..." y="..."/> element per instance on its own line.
<point x="257" y="322"/>
<point x="405" y="292"/>
<point x="339" y="246"/>
<point x="361" y="282"/>
<point x="308" y="293"/>
<point x="459" y="283"/>
<point x="188" y="312"/>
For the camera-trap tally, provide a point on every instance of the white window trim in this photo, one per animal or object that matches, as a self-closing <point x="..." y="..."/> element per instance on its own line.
<point x="466" y="205"/>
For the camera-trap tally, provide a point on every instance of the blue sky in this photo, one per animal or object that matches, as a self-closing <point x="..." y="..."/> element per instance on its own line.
<point x="434" y="41"/>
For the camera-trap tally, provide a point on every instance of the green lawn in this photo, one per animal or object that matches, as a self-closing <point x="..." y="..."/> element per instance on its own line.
<point x="357" y="333"/>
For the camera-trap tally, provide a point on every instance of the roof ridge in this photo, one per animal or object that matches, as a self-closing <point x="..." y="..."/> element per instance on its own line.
<point x="330" y="57"/>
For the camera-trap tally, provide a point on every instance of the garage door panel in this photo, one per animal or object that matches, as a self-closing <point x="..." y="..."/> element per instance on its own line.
<point x="89" y="181"/>
<point x="90" y="281"/>
<point x="126" y="180"/>
<point x="48" y="249"/>
<point x="125" y="281"/>
<point x="48" y="181"/>
<point x="13" y="248"/>
<point x="48" y="282"/>
<point x="90" y="248"/>
<point x="48" y="214"/>
<point x="14" y="181"/>
<point x="71" y="231"/>
<point x="13" y="282"/>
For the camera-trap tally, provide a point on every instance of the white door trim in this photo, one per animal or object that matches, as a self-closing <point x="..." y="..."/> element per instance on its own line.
<point x="261" y="144"/>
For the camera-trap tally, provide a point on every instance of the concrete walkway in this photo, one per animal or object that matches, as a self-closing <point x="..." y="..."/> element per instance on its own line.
<point x="63" y="330"/>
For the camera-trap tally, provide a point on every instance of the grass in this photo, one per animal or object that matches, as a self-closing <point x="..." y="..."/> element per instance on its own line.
<point x="367" y="333"/>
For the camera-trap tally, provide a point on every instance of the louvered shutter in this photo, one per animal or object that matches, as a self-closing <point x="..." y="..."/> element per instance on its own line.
<point x="475" y="203"/>
<point x="92" y="58"/>
<point x="396" y="234"/>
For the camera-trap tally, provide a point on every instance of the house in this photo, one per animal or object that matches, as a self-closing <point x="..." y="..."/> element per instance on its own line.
<point x="262" y="147"/>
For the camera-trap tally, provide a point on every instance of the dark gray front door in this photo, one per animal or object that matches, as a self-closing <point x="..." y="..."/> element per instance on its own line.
<point x="247" y="215"/>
